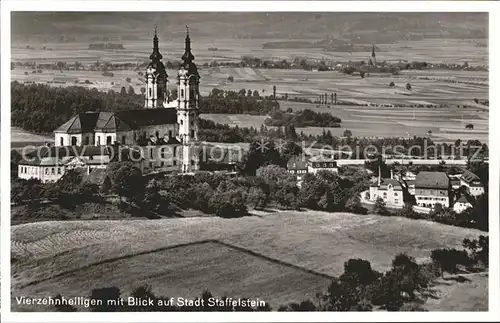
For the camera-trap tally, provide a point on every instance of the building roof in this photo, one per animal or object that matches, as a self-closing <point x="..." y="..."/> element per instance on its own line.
<point x="118" y="121"/>
<point x="296" y="162"/>
<point x="463" y="199"/>
<point x="82" y="122"/>
<point x="385" y="182"/>
<point x="435" y="180"/>
<point x="469" y="176"/>
<point x="49" y="156"/>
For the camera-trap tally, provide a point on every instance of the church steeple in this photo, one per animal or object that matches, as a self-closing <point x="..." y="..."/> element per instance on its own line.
<point x="188" y="57"/>
<point x="156" y="95"/>
<point x="155" y="55"/>
<point x="373" y="51"/>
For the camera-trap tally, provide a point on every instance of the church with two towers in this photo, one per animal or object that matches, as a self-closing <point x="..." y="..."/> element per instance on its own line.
<point x="165" y="131"/>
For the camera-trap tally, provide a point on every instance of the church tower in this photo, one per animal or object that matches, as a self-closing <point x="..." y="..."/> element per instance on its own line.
<point x="156" y="79"/>
<point x="188" y="93"/>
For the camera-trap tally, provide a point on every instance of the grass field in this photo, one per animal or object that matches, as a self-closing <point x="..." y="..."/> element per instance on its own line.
<point x="256" y="256"/>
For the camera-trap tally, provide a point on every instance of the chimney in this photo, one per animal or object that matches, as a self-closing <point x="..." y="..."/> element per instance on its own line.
<point x="392" y="174"/>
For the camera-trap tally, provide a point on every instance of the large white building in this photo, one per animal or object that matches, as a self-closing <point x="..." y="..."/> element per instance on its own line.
<point x="432" y="188"/>
<point x="164" y="130"/>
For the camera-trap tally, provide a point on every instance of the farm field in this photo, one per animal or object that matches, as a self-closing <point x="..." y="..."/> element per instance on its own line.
<point x="446" y="124"/>
<point x="429" y="87"/>
<point x="254" y="256"/>
<point x="230" y="49"/>
<point x="21" y="138"/>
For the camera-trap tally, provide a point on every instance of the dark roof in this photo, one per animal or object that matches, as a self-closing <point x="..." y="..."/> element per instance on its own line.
<point x="432" y="180"/>
<point x="148" y="117"/>
<point x="82" y="122"/>
<point x="296" y="162"/>
<point x="386" y="181"/>
<point x="469" y="176"/>
<point x="118" y="121"/>
<point x="463" y="199"/>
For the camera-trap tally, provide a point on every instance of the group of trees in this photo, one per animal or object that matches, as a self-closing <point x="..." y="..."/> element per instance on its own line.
<point x="303" y="118"/>
<point x="40" y="108"/>
<point x="242" y="102"/>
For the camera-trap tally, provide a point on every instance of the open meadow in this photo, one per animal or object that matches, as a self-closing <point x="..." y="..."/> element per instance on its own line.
<point x="279" y="258"/>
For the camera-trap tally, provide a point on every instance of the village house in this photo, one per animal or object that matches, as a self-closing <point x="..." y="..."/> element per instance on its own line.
<point x="318" y="163"/>
<point x="472" y="182"/>
<point x="432" y="188"/>
<point x="388" y="189"/>
<point x="461" y="204"/>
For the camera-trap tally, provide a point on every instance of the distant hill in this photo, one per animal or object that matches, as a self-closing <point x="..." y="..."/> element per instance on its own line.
<point x="375" y="27"/>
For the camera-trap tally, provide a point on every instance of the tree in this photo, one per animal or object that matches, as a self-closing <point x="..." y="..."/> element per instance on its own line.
<point x="358" y="272"/>
<point x="128" y="79"/>
<point x="392" y="84"/>
<point x="123" y="91"/>
<point x="143" y="90"/>
<point x="362" y="74"/>
<point x="408" y="86"/>
<point x="131" y="90"/>
<point x="469" y="126"/>
<point x="347" y="133"/>
<point x="126" y="179"/>
<point x="379" y="207"/>
<point x="274" y="92"/>
<point x="230" y="79"/>
<point x="448" y="259"/>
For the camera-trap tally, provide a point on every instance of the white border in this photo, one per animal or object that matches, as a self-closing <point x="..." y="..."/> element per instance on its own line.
<point x="321" y="6"/>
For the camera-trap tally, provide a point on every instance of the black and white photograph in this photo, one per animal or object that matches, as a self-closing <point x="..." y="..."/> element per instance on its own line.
<point x="211" y="161"/>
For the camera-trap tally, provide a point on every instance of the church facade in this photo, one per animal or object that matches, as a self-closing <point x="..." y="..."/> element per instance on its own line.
<point x="165" y="131"/>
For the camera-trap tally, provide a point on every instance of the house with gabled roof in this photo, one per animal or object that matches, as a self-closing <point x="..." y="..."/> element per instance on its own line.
<point x="432" y="188"/>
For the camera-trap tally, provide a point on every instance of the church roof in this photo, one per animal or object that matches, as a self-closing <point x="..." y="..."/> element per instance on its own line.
<point x="118" y="121"/>
<point x="82" y="122"/>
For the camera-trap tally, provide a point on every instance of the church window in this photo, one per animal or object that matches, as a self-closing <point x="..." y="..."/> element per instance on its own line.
<point x="162" y="164"/>
<point x="192" y="162"/>
<point x="170" y="134"/>
<point x="182" y="93"/>
<point x="53" y="171"/>
<point x="46" y="171"/>
<point x="73" y="141"/>
<point x="192" y="133"/>
<point x="58" y="170"/>
<point x="175" y="162"/>
<point x="157" y="134"/>
<point x="123" y="140"/>
<point x="192" y="123"/>
<point x="151" y="153"/>
<point x="62" y="141"/>
<point x="182" y="122"/>
<point x="150" y="92"/>
<point x="108" y="140"/>
<point x="87" y="139"/>
<point x="175" y="150"/>
<point x="395" y="194"/>
<point x="385" y="195"/>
